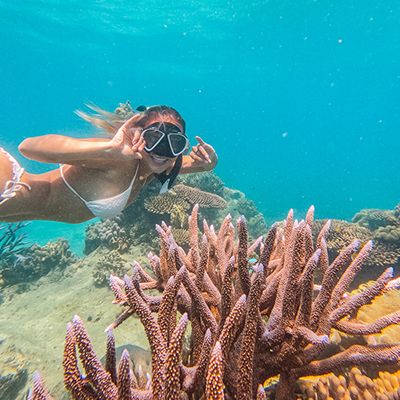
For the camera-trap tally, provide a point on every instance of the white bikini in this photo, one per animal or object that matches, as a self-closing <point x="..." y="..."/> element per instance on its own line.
<point x="105" y="208"/>
<point x="13" y="185"/>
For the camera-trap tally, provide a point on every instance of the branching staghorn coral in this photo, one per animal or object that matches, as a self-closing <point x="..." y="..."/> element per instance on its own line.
<point x="248" y="323"/>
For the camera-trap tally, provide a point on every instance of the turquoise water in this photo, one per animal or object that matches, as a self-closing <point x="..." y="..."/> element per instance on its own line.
<point x="300" y="99"/>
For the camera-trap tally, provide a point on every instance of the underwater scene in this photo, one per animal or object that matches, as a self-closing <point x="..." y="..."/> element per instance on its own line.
<point x="199" y="200"/>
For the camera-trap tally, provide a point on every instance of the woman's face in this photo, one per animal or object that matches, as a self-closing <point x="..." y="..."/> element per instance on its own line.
<point x="158" y="164"/>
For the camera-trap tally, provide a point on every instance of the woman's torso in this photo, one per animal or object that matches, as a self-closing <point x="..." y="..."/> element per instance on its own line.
<point x="51" y="199"/>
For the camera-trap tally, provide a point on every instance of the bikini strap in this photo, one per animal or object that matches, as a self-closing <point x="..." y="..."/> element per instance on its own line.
<point x="134" y="176"/>
<point x="68" y="185"/>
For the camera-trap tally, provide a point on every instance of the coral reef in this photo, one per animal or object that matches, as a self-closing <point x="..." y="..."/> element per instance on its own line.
<point x="110" y="263"/>
<point x="384" y="226"/>
<point x="36" y="261"/>
<point x="200" y="197"/>
<point x="169" y="203"/>
<point x="385" y="303"/>
<point x="385" y="253"/>
<point x="164" y="203"/>
<point x="389" y="233"/>
<point x="181" y="198"/>
<point x="108" y="233"/>
<point x="374" y="218"/>
<point x="237" y="203"/>
<point x="207" y="181"/>
<point x="353" y="385"/>
<point x="249" y="323"/>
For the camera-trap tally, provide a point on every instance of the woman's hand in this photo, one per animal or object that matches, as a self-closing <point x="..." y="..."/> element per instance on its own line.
<point x="203" y="155"/>
<point x="128" y="142"/>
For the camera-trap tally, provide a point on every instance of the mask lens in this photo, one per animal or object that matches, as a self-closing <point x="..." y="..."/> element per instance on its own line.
<point x="178" y="143"/>
<point x="152" y="137"/>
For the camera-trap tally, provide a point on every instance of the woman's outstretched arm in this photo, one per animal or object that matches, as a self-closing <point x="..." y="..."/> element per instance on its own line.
<point x="91" y="152"/>
<point x="64" y="149"/>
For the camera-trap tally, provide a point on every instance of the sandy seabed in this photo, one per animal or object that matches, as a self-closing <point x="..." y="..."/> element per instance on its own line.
<point x="34" y="322"/>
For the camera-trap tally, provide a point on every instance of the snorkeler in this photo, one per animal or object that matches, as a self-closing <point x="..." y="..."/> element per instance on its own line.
<point x="99" y="177"/>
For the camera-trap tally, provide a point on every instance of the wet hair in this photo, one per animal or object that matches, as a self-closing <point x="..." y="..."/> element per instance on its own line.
<point x="110" y="122"/>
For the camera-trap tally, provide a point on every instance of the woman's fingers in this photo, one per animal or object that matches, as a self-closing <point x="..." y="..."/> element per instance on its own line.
<point x="136" y="139"/>
<point x="204" y="144"/>
<point x="138" y="145"/>
<point x="207" y="147"/>
<point x="136" y="135"/>
<point x="201" y="153"/>
<point x="200" y="140"/>
<point x="141" y="146"/>
<point x="195" y="157"/>
<point x="204" y="153"/>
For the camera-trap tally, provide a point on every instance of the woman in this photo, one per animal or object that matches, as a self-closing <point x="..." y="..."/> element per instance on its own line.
<point x="99" y="176"/>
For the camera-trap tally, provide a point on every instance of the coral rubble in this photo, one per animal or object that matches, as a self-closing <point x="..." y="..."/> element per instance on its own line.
<point x="249" y="322"/>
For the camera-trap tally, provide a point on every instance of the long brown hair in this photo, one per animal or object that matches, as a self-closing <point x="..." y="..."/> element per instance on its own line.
<point x="110" y="122"/>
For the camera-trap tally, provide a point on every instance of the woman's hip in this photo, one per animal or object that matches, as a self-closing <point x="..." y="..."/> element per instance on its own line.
<point x="10" y="176"/>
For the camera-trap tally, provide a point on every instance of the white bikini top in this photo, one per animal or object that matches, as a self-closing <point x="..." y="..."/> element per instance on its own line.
<point x="105" y="208"/>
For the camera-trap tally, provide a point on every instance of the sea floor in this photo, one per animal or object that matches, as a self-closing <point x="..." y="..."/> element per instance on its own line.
<point x="34" y="322"/>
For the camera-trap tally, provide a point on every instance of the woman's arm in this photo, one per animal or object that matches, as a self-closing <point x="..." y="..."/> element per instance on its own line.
<point x="91" y="152"/>
<point x="202" y="158"/>
<point x="65" y="150"/>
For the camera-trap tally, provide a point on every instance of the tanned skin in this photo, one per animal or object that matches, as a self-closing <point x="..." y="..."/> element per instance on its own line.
<point x="96" y="168"/>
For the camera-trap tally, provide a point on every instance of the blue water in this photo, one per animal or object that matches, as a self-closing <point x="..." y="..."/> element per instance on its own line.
<point x="301" y="99"/>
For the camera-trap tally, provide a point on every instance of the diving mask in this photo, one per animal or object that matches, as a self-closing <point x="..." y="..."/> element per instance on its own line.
<point x="165" y="139"/>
